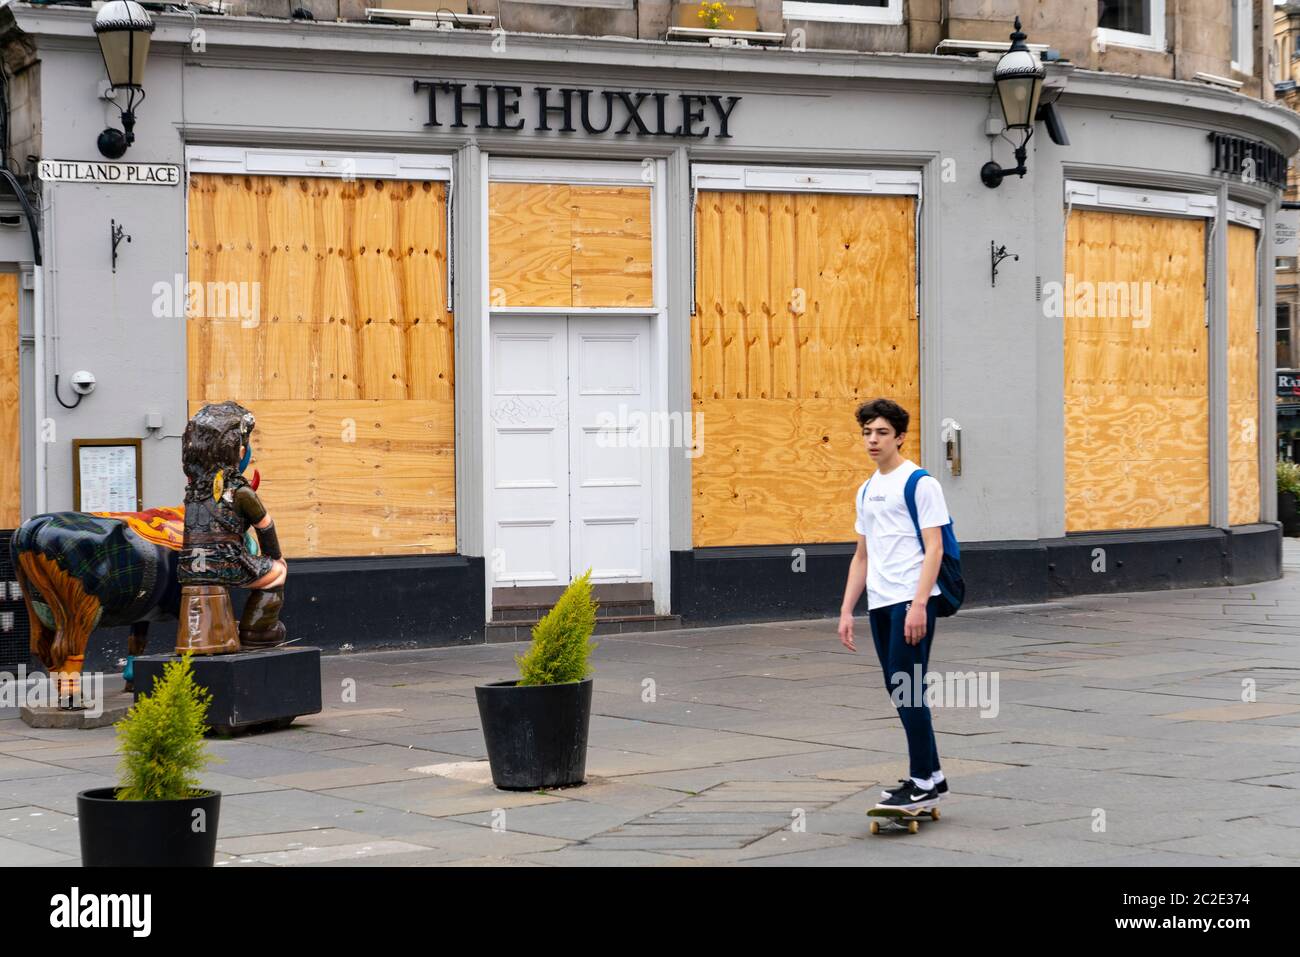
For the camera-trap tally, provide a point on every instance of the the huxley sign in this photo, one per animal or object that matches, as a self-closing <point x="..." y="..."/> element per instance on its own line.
<point x="492" y="106"/>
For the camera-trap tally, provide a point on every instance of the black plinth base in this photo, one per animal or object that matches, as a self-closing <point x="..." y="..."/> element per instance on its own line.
<point x="251" y="690"/>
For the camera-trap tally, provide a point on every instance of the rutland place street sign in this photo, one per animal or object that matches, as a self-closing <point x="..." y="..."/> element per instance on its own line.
<point x="95" y="171"/>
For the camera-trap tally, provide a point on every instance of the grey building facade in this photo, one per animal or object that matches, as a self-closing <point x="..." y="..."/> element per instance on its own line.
<point x="291" y="101"/>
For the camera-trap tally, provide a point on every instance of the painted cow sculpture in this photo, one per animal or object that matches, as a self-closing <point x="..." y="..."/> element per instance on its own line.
<point x="83" y="570"/>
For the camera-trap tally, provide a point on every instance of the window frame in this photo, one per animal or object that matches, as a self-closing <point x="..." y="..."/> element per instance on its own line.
<point x="1243" y="54"/>
<point x="1153" y="41"/>
<point x="891" y="14"/>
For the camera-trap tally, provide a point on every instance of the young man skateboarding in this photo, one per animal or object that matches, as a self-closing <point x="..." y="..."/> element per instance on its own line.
<point x="900" y="582"/>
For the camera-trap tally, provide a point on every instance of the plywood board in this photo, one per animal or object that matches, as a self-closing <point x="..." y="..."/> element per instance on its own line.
<point x="333" y="289"/>
<point x="1243" y="376"/>
<point x="11" y="499"/>
<point x="554" y="244"/>
<point x="357" y="477"/>
<point x="805" y="307"/>
<point x="1136" y="372"/>
<point x="348" y="361"/>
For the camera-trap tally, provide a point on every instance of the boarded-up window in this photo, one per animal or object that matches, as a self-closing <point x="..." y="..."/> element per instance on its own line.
<point x="321" y="305"/>
<point x="1136" y="388"/>
<point x="552" y="244"/>
<point x="805" y="306"/>
<point x="11" y="501"/>
<point x="1243" y="377"/>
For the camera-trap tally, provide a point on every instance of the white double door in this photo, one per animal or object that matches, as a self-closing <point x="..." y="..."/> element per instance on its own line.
<point x="571" y="465"/>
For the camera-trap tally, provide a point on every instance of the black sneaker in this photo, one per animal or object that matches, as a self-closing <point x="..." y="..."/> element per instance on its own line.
<point x="911" y="798"/>
<point x="941" y="788"/>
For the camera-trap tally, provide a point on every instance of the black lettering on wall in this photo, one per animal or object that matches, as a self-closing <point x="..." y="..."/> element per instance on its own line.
<point x="633" y="115"/>
<point x="724" y="115"/>
<point x="637" y="113"/>
<point x="508" y="107"/>
<point x="460" y="104"/>
<point x="545" y="110"/>
<point x="584" y="97"/>
<point x="432" y="87"/>
<point x="689" y="115"/>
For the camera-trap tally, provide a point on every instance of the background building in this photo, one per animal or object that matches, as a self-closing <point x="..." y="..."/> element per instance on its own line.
<point x="1286" y="44"/>
<point x="545" y="291"/>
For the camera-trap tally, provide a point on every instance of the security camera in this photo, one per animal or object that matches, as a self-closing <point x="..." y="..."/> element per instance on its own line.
<point x="83" y="382"/>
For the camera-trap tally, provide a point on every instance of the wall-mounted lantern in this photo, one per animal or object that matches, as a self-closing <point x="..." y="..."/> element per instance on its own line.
<point x="123" y="28"/>
<point x="1019" y="78"/>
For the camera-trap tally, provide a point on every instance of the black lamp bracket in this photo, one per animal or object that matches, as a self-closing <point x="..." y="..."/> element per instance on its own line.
<point x="997" y="254"/>
<point x="114" y="143"/>
<point x="116" y="234"/>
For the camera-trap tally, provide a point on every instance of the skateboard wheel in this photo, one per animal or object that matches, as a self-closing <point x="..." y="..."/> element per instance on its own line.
<point x="913" y="827"/>
<point x="934" y="814"/>
<point x="875" y="827"/>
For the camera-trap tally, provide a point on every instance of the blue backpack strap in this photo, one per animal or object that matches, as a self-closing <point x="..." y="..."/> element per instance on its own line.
<point x="862" y="495"/>
<point x="909" y="496"/>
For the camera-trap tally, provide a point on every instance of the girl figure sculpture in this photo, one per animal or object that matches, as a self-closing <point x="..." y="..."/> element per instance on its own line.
<point x="220" y="508"/>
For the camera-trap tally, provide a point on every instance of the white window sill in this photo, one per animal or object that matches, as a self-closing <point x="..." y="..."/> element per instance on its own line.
<point x="606" y="4"/>
<point x="839" y="13"/>
<point x="1132" y="41"/>
<point x="706" y="34"/>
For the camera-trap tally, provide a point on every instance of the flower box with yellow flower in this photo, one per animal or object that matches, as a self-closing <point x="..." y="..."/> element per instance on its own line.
<point x="719" y="22"/>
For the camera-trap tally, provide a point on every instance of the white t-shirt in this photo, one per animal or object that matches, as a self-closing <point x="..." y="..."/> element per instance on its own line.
<point x="894" y="555"/>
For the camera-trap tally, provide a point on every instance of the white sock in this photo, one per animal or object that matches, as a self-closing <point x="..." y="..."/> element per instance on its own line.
<point x="927" y="783"/>
<point x="938" y="776"/>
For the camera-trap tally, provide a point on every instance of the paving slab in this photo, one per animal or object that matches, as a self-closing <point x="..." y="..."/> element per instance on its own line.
<point x="765" y="744"/>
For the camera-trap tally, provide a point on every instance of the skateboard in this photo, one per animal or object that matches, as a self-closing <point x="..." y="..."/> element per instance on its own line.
<point x="896" y="819"/>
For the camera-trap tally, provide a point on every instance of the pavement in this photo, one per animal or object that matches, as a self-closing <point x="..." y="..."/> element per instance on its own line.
<point x="1160" y="728"/>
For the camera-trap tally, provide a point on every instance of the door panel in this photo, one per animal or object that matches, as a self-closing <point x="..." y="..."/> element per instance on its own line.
<point x="571" y="460"/>
<point x="530" y="451"/>
<point x="609" y="399"/>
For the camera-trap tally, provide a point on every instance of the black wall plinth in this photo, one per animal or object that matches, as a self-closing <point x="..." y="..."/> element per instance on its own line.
<point x="371" y="604"/>
<point x="722" y="585"/>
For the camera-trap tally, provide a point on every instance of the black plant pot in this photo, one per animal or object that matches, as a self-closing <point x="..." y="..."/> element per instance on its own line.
<point x="1288" y="513"/>
<point x="536" y="736"/>
<point x="147" y="833"/>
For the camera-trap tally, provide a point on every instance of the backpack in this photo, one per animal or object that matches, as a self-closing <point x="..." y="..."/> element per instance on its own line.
<point x="952" y="587"/>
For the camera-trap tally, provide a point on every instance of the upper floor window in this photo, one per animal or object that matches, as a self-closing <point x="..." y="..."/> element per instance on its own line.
<point x="1132" y="23"/>
<point x="1284" y="351"/>
<point x="1243" y="36"/>
<point x="845" y="11"/>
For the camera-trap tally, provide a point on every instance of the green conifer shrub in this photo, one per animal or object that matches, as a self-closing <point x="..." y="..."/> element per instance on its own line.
<point x="562" y="640"/>
<point x="1288" y="477"/>
<point x="161" y="739"/>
